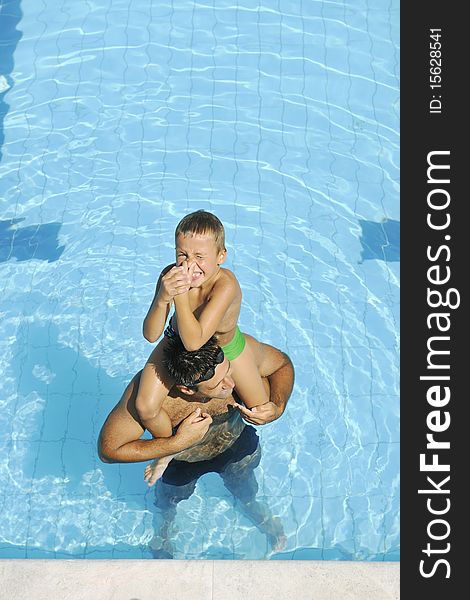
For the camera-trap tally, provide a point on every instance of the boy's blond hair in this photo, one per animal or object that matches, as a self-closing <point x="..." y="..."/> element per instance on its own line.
<point x="202" y="222"/>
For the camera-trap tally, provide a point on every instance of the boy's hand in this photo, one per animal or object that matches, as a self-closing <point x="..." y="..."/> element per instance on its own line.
<point x="173" y="283"/>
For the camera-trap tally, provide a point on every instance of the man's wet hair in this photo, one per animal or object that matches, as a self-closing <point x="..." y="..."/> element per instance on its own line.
<point x="187" y="368"/>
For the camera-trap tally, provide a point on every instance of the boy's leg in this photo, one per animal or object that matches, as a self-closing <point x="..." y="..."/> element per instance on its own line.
<point x="248" y="382"/>
<point x="160" y="426"/>
<point x="154" y="386"/>
<point x="155" y="469"/>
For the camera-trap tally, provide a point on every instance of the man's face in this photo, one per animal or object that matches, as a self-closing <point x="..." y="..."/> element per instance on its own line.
<point x="221" y="384"/>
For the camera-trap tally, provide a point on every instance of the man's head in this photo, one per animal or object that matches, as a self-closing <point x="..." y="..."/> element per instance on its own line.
<point x="204" y="372"/>
<point x="200" y="241"/>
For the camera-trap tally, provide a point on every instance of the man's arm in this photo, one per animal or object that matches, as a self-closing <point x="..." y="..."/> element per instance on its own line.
<point x="281" y="383"/>
<point x="119" y="438"/>
<point x="279" y="371"/>
<point x="137" y="450"/>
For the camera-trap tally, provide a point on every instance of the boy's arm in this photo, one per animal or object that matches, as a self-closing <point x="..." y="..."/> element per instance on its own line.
<point x="193" y="332"/>
<point x="170" y="281"/>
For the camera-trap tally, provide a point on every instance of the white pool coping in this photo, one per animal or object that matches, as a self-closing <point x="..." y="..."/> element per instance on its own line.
<point x="198" y="580"/>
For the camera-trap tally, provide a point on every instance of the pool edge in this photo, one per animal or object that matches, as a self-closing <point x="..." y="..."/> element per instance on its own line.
<point x="199" y="580"/>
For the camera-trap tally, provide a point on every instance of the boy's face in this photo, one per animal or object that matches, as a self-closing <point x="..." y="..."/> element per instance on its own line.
<point x="201" y="254"/>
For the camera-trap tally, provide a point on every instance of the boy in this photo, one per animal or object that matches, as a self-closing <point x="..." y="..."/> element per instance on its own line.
<point x="207" y="301"/>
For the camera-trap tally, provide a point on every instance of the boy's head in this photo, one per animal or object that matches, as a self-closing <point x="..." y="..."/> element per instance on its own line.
<point x="200" y="242"/>
<point x="204" y="372"/>
<point x="202" y="223"/>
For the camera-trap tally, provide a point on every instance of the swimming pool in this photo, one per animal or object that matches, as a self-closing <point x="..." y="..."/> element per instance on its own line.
<point x="119" y="117"/>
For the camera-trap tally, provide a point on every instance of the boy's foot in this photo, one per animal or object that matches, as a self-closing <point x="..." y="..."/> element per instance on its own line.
<point x="155" y="470"/>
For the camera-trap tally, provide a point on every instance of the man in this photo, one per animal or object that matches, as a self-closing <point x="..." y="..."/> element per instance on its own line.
<point x="210" y="434"/>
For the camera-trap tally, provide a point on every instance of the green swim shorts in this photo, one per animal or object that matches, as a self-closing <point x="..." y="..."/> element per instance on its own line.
<point x="235" y="347"/>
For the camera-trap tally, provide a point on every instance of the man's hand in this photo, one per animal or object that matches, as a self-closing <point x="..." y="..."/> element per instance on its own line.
<point x="261" y="414"/>
<point x="192" y="429"/>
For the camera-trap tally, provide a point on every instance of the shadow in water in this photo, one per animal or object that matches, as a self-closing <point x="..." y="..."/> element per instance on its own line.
<point x="10" y="16"/>
<point x="32" y="242"/>
<point x="60" y="400"/>
<point x="75" y="398"/>
<point x="380" y="241"/>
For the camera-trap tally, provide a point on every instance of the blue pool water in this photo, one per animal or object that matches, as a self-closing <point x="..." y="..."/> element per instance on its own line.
<point x="117" y="117"/>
